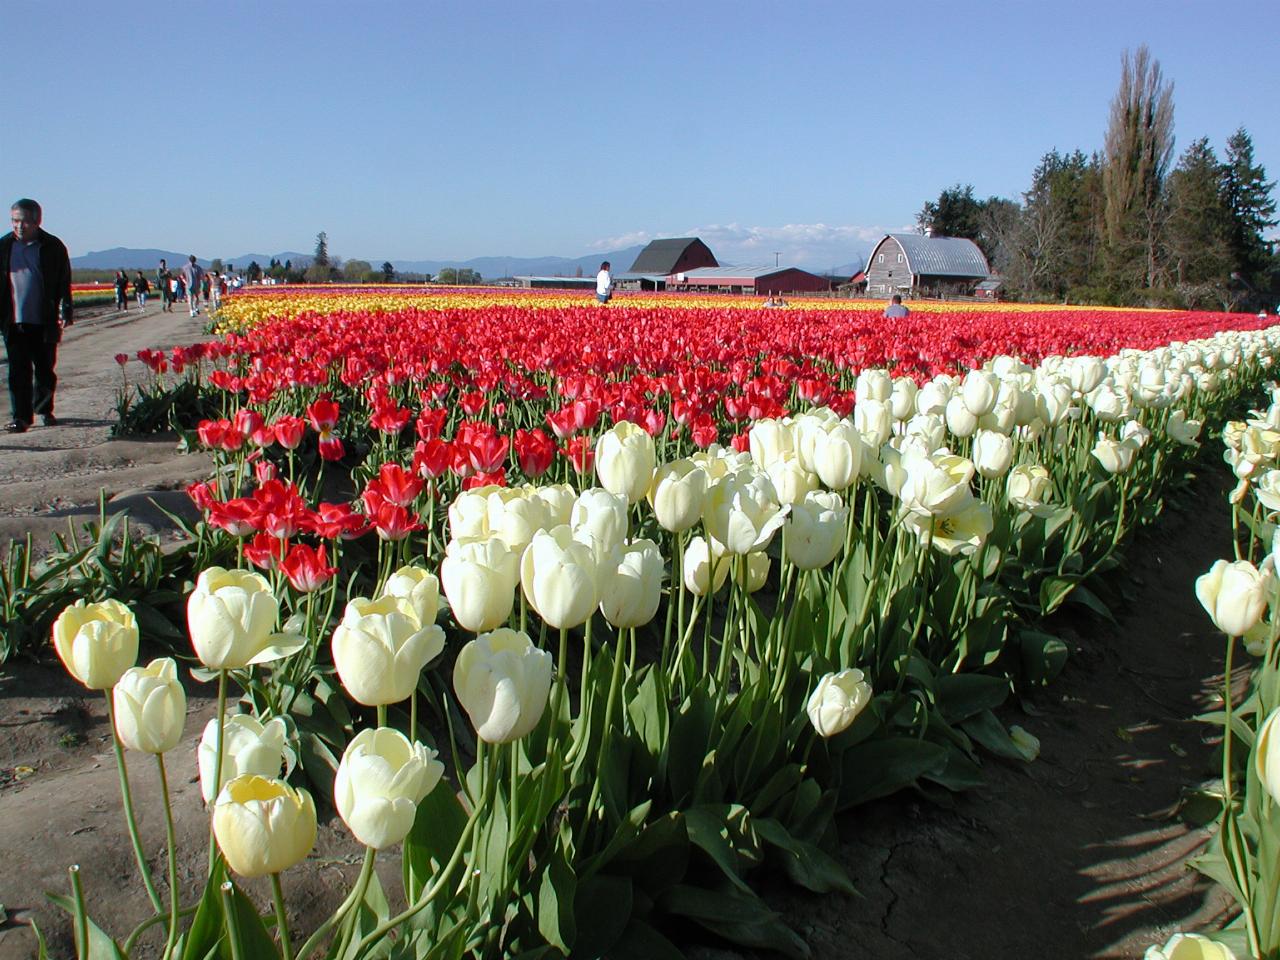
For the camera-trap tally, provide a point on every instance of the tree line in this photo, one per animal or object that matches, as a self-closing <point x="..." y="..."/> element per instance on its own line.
<point x="1126" y="225"/>
<point x="324" y="268"/>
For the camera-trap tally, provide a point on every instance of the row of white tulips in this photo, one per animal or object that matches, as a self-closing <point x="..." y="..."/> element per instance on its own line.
<point x="933" y="461"/>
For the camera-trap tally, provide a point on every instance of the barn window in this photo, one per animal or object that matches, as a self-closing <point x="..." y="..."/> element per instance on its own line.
<point x="879" y="258"/>
<point x="899" y="258"/>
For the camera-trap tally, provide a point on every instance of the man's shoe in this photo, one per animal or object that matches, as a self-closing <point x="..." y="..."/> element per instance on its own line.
<point x="15" y="426"/>
<point x="49" y="420"/>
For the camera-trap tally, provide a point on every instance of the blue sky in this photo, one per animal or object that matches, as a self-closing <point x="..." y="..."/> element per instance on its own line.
<point x="432" y="130"/>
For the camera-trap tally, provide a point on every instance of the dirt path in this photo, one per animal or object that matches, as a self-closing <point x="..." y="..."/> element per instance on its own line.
<point x="1076" y="855"/>
<point x="50" y="475"/>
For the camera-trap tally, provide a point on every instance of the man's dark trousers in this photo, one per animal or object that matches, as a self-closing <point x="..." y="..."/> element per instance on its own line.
<point x="31" y="357"/>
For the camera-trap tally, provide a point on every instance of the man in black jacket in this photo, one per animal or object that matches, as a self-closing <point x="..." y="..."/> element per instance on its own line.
<point x="35" y="304"/>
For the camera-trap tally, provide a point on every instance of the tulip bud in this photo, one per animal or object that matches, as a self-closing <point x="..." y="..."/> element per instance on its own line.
<point x="632" y="587"/>
<point x="150" y="707"/>
<point x="872" y="384"/>
<point x="1028" y="486"/>
<point x="380" y="782"/>
<point x="247" y="747"/>
<point x="560" y="578"/>
<point x="978" y="391"/>
<point x="700" y="563"/>
<point x="677" y="495"/>
<point x="625" y="458"/>
<point x="231" y="616"/>
<point x="1027" y="744"/>
<point x="419" y="588"/>
<point x="1266" y="756"/>
<point x="837" y="700"/>
<point x="96" y="642"/>
<point x="837" y="454"/>
<point x="601" y="514"/>
<point x="479" y="579"/>
<point x="790" y="480"/>
<point x="815" y="530"/>
<point x="992" y="453"/>
<point x="502" y="680"/>
<point x="873" y="421"/>
<point x="380" y="647"/>
<point x="960" y="419"/>
<point x="263" y="826"/>
<point x="1235" y="595"/>
<point x="769" y="440"/>
<point x="1189" y="946"/>
<point x="757" y="572"/>
<point x="743" y="512"/>
<point x="936" y="485"/>
<point x="1116" y="456"/>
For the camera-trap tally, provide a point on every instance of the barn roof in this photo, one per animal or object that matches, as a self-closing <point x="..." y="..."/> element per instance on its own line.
<point x="725" y="274"/>
<point x="661" y="256"/>
<point x="941" y="256"/>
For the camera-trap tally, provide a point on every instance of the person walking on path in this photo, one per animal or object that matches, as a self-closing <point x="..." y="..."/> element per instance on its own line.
<point x="35" y="304"/>
<point x="604" y="283"/>
<point x="163" y="280"/>
<point x="140" y="290"/>
<point x="122" y="290"/>
<point x="192" y="274"/>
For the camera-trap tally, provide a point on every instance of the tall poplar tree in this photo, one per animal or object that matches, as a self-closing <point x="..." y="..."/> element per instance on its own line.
<point x="1137" y="152"/>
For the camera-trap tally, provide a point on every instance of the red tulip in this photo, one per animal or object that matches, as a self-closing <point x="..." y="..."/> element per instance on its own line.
<point x="393" y="522"/>
<point x="431" y="458"/>
<point x="335" y="521"/>
<point x="581" y="454"/>
<point x="331" y="448"/>
<point x="323" y="414"/>
<point x="264" y="551"/>
<point x="288" y="430"/>
<point x="534" y="452"/>
<point x="307" y="567"/>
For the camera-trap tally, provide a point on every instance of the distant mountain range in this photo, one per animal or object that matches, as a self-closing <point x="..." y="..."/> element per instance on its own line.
<point x="490" y="268"/>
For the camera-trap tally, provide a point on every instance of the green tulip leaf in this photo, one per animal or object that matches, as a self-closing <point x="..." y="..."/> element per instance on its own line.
<point x="962" y="695"/>
<point x="737" y="915"/>
<point x="1043" y="655"/>
<point x="100" y="946"/>
<point x="640" y="941"/>
<point x="991" y="733"/>
<point x="208" y="926"/>
<point x="436" y="829"/>
<point x="883" y="767"/>
<point x="556" y="896"/>
<point x="282" y="645"/>
<point x="600" y="929"/>
<point x="805" y="863"/>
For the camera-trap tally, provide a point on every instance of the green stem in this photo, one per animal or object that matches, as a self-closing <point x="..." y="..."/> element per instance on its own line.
<point x="172" y="841"/>
<point x="217" y="765"/>
<point x="382" y="715"/>
<point x="615" y="681"/>
<point x="353" y="898"/>
<point x="282" y="919"/>
<point x="129" y="816"/>
<point x="232" y="919"/>
<point x="81" y="918"/>
<point x="1236" y="857"/>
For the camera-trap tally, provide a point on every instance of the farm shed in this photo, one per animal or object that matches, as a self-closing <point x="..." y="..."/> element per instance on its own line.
<point x="992" y="289"/>
<point x="678" y="255"/>
<point x="557" y="283"/>
<point x="759" y="280"/>
<point x="913" y="265"/>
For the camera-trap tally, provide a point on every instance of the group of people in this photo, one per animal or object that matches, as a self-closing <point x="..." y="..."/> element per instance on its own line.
<point x="191" y="282"/>
<point x="36" y="306"/>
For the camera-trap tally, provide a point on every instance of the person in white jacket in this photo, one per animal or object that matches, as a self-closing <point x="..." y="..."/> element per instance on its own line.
<point x="604" y="283"/>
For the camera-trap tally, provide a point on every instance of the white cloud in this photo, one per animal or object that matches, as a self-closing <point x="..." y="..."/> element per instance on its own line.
<point x="811" y="245"/>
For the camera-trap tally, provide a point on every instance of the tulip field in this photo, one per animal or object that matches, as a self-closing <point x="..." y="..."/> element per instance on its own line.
<point x="590" y="616"/>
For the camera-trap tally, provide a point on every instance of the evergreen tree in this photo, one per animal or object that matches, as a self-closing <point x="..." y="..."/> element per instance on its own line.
<point x="388" y="271"/>
<point x="320" y="270"/>
<point x="1247" y="195"/>
<point x="1197" y="234"/>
